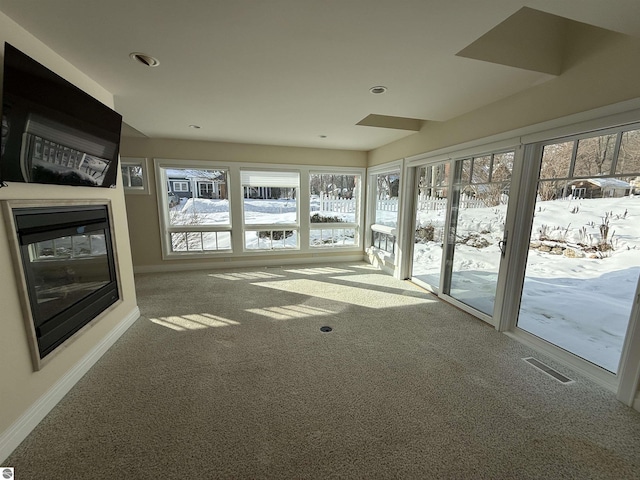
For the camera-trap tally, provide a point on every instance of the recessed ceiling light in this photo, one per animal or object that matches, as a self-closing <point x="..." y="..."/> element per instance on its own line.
<point x="194" y="126"/>
<point x="378" y="89"/>
<point x="145" y="59"/>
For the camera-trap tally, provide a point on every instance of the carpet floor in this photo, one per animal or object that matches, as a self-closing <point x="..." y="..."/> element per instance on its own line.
<point x="229" y="374"/>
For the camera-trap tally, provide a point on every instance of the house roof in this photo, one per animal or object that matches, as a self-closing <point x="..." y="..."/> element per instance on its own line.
<point x="608" y="183"/>
<point x="298" y="72"/>
<point x="197" y="175"/>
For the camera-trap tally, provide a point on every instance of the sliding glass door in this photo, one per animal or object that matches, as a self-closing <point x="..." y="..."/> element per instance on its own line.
<point x="462" y="219"/>
<point x="584" y="252"/>
<point x="430" y="220"/>
<point x="549" y="252"/>
<point x="479" y="204"/>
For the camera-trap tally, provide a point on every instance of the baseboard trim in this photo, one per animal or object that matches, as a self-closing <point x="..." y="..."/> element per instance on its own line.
<point x="177" y="267"/>
<point x="21" y="428"/>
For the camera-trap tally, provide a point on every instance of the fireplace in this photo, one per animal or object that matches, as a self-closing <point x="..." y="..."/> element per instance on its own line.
<point x="65" y="263"/>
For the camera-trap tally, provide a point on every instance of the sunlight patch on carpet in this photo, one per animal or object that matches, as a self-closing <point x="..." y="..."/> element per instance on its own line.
<point x="318" y="270"/>
<point x="379" y="281"/>
<point x="288" y="312"/>
<point x="362" y="297"/>
<point x="244" y="275"/>
<point x="195" y="321"/>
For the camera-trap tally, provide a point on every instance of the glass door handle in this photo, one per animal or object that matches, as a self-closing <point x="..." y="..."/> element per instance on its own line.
<point x="503" y="244"/>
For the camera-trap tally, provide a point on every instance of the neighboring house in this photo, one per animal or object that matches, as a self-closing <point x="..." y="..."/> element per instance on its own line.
<point x="196" y="186"/>
<point x="600" y="188"/>
<point x="269" y="192"/>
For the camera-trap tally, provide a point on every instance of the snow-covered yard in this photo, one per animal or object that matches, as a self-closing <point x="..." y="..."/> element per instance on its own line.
<point x="577" y="293"/>
<point x="201" y="211"/>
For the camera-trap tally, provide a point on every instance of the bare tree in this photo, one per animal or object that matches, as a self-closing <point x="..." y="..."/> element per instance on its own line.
<point x="594" y="156"/>
<point x="629" y="157"/>
<point x="556" y="160"/>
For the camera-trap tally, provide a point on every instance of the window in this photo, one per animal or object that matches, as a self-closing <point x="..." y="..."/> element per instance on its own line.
<point x="180" y="186"/>
<point x="208" y="209"/>
<point x="581" y="269"/>
<point x="205" y="190"/>
<point x="387" y="189"/>
<point x="383" y="241"/>
<point x="629" y="156"/>
<point x="270" y="209"/>
<point x="134" y="175"/>
<point x="334" y="214"/>
<point x="196" y="223"/>
<point x="477" y="211"/>
<point x="385" y="199"/>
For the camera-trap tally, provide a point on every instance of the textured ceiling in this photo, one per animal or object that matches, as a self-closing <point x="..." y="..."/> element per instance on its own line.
<point x="286" y="72"/>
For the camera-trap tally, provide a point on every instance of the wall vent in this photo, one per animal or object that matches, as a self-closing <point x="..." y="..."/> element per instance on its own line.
<point x="548" y="370"/>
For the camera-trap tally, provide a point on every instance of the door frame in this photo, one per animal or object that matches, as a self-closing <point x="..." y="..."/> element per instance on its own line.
<point x="411" y="167"/>
<point x="527" y="143"/>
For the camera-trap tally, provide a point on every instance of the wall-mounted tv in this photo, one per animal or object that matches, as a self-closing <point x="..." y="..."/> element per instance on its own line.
<point x="53" y="132"/>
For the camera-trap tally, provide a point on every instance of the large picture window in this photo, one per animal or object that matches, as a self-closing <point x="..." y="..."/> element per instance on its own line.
<point x="212" y="209"/>
<point x="584" y="248"/>
<point x="334" y="215"/>
<point x="270" y="209"/>
<point x="197" y="219"/>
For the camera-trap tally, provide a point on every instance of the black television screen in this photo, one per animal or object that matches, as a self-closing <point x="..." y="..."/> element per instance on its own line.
<point x="53" y="132"/>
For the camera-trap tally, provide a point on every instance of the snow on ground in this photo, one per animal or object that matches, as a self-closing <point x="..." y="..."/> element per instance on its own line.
<point x="202" y="211"/>
<point x="580" y="304"/>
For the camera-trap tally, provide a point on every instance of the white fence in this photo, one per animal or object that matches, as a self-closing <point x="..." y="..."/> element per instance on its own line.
<point x="388" y="205"/>
<point x="427" y="203"/>
<point x="329" y="203"/>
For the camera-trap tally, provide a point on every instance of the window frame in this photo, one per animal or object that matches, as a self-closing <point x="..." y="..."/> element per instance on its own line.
<point x="235" y="195"/>
<point x="135" y="162"/>
<point x="166" y="229"/>
<point x="356" y="225"/>
<point x="181" y="183"/>
<point x="270" y="227"/>
<point x="389" y="256"/>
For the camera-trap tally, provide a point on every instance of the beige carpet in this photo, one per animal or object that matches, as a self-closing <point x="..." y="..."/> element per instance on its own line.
<point x="228" y="375"/>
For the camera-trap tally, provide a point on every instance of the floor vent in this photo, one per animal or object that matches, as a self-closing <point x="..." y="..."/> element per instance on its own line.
<point x="548" y="370"/>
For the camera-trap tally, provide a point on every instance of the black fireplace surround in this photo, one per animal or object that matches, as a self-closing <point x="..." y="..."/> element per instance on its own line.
<point x="69" y="268"/>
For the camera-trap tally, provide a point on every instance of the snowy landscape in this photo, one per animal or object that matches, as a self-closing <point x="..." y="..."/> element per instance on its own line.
<point x="579" y="286"/>
<point x="261" y="212"/>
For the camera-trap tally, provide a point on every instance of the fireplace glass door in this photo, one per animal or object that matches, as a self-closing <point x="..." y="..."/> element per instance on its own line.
<point x="69" y="269"/>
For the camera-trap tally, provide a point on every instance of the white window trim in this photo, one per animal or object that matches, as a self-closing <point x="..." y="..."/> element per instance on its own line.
<point x="275" y="227"/>
<point x="357" y="225"/>
<point x="235" y="196"/>
<point x="372" y="190"/>
<point x="178" y="186"/>
<point x="136" y="162"/>
<point x="160" y="166"/>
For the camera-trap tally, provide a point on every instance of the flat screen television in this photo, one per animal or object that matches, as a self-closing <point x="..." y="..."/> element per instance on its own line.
<point x="52" y="131"/>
